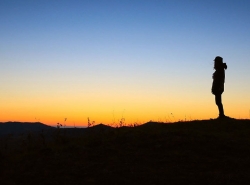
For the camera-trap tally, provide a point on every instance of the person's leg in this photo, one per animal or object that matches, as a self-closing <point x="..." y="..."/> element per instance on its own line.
<point x="219" y="104"/>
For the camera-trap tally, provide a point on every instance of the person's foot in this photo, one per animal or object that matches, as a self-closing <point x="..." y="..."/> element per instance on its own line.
<point x="224" y="117"/>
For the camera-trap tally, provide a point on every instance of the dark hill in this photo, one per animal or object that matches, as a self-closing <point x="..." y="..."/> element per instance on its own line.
<point x="194" y="152"/>
<point x="21" y="127"/>
<point x="100" y="127"/>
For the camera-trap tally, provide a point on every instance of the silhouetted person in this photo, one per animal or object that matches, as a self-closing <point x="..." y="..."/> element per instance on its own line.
<point x="218" y="83"/>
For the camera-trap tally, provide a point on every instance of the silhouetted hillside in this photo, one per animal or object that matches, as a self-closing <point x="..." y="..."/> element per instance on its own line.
<point x="19" y="127"/>
<point x="194" y="152"/>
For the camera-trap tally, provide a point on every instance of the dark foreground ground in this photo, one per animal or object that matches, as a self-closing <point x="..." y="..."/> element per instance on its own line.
<point x="197" y="152"/>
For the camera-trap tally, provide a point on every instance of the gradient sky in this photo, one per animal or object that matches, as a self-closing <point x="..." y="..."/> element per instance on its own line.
<point x="110" y="59"/>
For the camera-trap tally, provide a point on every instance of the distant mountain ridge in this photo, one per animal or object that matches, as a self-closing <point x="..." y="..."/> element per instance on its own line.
<point x="21" y="127"/>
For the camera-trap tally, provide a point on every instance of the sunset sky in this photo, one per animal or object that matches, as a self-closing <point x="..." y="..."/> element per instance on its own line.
<point x="111" y="59"/>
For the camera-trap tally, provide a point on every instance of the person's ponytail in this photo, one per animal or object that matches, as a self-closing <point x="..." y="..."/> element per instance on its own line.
<point x="224" y="65"/>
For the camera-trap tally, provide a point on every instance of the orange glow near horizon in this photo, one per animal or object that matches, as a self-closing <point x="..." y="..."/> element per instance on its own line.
<point x="109" y="101"/>
<point x="107" y="112"/>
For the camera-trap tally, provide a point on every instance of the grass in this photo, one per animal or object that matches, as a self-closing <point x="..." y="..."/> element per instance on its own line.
<point x="195" y="152"/>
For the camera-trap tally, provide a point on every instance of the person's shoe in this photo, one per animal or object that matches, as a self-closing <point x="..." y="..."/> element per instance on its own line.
<point x="224" y="117"/>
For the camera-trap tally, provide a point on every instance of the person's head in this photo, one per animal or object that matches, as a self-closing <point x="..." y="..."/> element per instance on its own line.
<point x="218" y="63"/>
